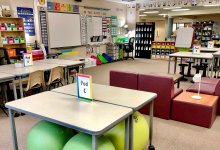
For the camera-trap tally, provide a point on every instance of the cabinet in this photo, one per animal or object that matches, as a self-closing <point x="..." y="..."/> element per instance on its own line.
<point x="144" y="36"/>
<point x="161" y="50"/>
<point x="12" y="36"/>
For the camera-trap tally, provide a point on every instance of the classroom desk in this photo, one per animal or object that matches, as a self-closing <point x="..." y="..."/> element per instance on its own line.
<point x="189" y="55"/>
<point x="211" y="50"/>
<point x="215" y="55"/>
<point x="19" y="72"/>
<point x="94" y="118"/>
<point x="64" y="63"/>
<point x="9" y="77"/>
<point x="119" y="96"/>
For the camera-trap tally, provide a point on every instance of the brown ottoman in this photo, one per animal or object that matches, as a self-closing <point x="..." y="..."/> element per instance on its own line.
<point x="198" y="112"/>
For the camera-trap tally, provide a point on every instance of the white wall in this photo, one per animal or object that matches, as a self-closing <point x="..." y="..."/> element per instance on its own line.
<point x="119" y="10"/>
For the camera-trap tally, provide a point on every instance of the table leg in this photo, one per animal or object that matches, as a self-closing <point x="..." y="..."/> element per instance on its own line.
<point x="213" y="63"/>
<point x="151" y="147"/>
<point x="94" y="142"/>
<point x="13" y="129"/>
<point x="66" y="76"/>
<point x="175" y="65"/>
<point x="83" y="69"/>
<point x="127" y="133"/>
<point x="169" y="65"/>
<point x="131" y="132"/>
<point x="14" y="90"/>
<point x="21" y="88"/>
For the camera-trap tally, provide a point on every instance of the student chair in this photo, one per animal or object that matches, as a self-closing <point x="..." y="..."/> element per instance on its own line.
<point x="129" y="48"/>
<point x="56" y="78"/>
<point x="36" y="83"/>
<point x="4" y="58"/>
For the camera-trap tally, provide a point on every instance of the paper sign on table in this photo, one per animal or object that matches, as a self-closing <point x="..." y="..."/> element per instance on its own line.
<point x="196" y="49"/>
<point x="27" y="59"/>
<point x="210" y="44"/>
<point x="84" y="86"/>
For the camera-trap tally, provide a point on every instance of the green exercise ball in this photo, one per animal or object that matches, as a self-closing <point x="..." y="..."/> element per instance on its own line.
<point x="48" y="136"/>
<point x="83" y="141"/>
<point x="140" y="133"/>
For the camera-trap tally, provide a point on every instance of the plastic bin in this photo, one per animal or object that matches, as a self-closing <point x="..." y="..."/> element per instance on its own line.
<point x="11" y="52"/>
<point x="4" y="40"/>
<point x="10" y="40"/>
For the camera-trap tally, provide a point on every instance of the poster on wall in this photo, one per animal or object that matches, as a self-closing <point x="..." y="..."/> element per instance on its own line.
<point x="42" y="3"/>
<point x="28" y="16"/>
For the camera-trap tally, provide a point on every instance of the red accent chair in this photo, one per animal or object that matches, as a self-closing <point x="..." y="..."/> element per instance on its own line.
<point x="164" y="87"/>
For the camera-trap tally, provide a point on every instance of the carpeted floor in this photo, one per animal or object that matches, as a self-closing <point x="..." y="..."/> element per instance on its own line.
<point x="168" y="134"/>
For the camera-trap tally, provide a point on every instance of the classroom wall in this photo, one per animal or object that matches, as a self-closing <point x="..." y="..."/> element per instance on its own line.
<point x="119" y="10"/>
<point x="160" y="27"/>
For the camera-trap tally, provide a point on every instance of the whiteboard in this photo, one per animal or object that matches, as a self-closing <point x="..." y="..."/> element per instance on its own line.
<point x="94" y="27"/>
<point x="64" y="30"/>
<point x="97" y="26"/>
<point x="184" y="37"/>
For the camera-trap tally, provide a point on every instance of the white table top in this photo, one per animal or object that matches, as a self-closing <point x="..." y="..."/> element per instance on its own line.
<point x="216" y="53"/>
<point x="61" y="62"/>
<point x="190" y="55"/>
<point x="4" y="76"/>
<point x="114" y="95"/>
<point x="11" y="69"/>
<point x="92" y="118"/>
<point x="209" y="49"/>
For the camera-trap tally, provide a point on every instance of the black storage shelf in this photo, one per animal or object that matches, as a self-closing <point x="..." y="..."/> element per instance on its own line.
<point x="144" y="36"/>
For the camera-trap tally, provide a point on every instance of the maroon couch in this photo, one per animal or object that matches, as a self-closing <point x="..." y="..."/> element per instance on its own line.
<point x="209" y="86"/>
<point x="121" y="79"/>
<point x="163" y="86"/>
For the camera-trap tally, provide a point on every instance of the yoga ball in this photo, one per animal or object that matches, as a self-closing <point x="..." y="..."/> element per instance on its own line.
<point x="83" y="141"/>
<point x="140" y="133"/>
<point x="48" y="136"/>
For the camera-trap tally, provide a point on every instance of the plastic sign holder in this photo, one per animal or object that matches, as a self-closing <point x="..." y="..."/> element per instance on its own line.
<point x="28" y="59"/>
<point x="210" y="44"/>
<point x="84" y="87"/>
<point x="196" y="49"/>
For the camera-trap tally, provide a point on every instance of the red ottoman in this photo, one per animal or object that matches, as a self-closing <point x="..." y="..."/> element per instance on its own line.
<point x="198" y="112"/>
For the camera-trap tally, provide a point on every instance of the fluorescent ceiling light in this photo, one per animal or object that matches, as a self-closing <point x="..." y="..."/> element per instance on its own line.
<point x="168" y="8"/>
<point x="142" y="15"/>
<point x="180" y="9"/>
<point x="212" y="5"/>
<point x="151" y="12"/>
<point x="162" y="14"/>
<point x="142" y="9"/>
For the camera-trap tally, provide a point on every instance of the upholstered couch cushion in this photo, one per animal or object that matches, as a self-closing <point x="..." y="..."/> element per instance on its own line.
<point x="124" y="79"/>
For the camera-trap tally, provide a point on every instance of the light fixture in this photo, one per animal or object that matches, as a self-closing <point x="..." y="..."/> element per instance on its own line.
<point x="212" y="5"/>
<point x="168" y="8"/>
<point x="125" y="26"/>
<point x="142" y="15"/>
<point x="142" y="9"/>
<point x="197" y="78"/>
<point x="162" y="14"/>
<point x="151" y="12"/>
<point x="180" y="9"/>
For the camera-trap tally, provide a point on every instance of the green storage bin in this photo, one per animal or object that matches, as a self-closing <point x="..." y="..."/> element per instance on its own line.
<point x="102" y="59"/>
<point x="22" y="40"/>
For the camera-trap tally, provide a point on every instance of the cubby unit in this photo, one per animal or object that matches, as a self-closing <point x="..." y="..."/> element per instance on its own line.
<point x="12" y="36"/>
<point x="143" y="39"/>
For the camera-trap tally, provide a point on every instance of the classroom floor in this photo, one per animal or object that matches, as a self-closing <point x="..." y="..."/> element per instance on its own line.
<point x="168" y="134"/>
